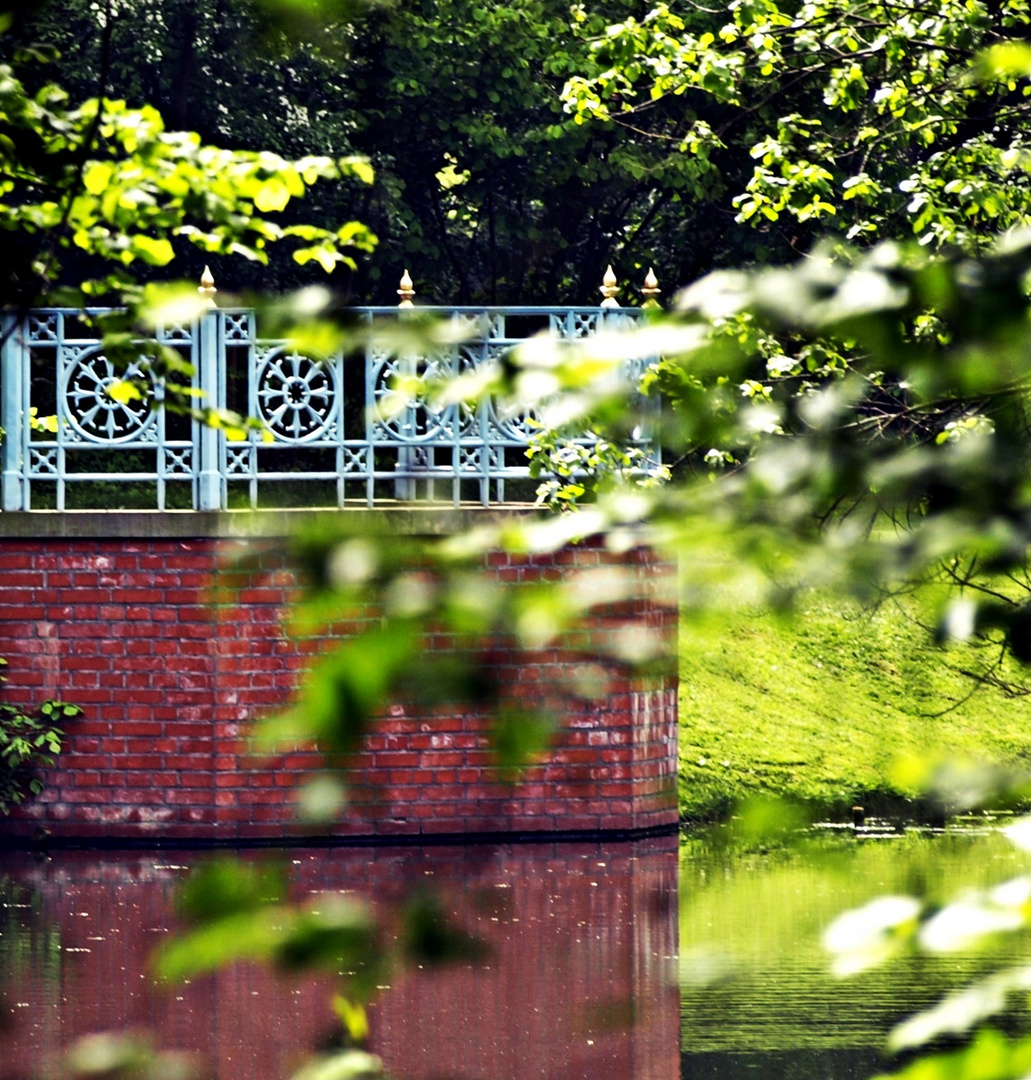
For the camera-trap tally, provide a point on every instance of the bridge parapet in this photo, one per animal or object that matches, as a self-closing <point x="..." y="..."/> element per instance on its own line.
<point x="121" y="612"/>
<point x="326" y="431"/>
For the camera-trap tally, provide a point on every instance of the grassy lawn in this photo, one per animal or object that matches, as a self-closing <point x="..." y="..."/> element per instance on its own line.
<point x="822" y="709"/>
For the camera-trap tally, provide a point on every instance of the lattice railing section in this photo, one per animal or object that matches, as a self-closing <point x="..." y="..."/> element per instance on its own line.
<point x="68" y="443"/>
<point x="329" y="433"/>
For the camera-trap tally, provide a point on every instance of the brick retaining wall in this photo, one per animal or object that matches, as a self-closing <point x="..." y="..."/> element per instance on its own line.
<point x="124" y="625"/>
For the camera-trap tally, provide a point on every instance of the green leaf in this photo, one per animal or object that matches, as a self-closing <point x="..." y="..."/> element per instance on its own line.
<point x="335" y="932"/>
<point x="867" y="936"/>
<point x="96" y="177"/>
<point x="519" y="737"/>
<point x="430" y="938"/>
<point x="325" y="256"/>
<point x="227" y="886"/>
<point x="124" y="391"/>
<point x="273" y="194"/>
<point x="250" y="935"/>
<point x="321" y="799"/>
<point x="156" y="252"/>
<point x="353" y="1018"/>
<point x="359" y="167"/>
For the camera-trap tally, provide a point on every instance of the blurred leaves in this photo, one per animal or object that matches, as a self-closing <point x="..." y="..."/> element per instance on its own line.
<point x="426" y="626"/>
<point x="321" y="799"/>
<point x="519" y="738"/>
<point x="769" y="820"/>
<point x="236" y="910"/>
<point x="868" y="411"/>
<point x="347" y="1065"/>
<point x="342" y="693"/>
<point x="960" y="1012"/>
<point x="127" y="1056"/>
<point x="867" y="936"/>
<point x="989" y="1056"/>
<point x="228" y="887"/>
<point x="430" y="937"/>
<point x="353" y="1018"/>
<point x="329" y="932"/>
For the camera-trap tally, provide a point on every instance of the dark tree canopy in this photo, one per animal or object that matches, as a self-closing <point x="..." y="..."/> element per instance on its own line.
<point x="521" y="147"/>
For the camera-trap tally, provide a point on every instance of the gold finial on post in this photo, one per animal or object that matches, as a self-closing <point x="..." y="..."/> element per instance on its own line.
<point x="650" y="289"/>
<point x="608" y="289"/>
<point x="207" y="287"/>
<point x="406" y="292"/>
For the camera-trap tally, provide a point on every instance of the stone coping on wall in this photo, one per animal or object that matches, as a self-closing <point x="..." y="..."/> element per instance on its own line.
<point x="240" y="524"/>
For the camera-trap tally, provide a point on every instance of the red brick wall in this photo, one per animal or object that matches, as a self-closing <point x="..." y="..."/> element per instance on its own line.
<point x="127" y="629"/>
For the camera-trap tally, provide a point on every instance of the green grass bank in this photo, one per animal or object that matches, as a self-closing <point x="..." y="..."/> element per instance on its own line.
<point x="828" y="707"/>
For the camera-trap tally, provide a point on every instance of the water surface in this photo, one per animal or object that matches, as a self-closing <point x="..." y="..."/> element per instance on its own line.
<point x="756" y="992"/>
<point x="624" y="961"/>
<point x="578" y="979"/>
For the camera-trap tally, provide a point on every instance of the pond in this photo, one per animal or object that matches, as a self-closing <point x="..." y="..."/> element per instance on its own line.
<point x="598" y="964"/>
<point x="757" y="997"/>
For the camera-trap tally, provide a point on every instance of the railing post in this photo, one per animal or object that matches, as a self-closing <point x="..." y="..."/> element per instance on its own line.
<point x="609" y="289"/>
<point x="13" y="414"/>
<point x="209" y="479"/>
<point x="404" y="487"/>
<point x="650" y="290"/>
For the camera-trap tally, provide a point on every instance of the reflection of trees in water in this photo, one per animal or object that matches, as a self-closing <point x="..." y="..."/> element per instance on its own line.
<point x="755" y="975"/>
<point x="30" y="949"/>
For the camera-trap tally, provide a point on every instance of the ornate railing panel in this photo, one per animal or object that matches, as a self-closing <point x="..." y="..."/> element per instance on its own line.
<point x="329" y="435"/>
<point x="67" y="443"/>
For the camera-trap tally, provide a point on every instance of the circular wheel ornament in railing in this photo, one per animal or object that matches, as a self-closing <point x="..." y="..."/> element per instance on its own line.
<point x="508" y="423"/>
<point x="513" y="424"/>
<point x="296" y="396"/>
<point x="411" y="418"/>
<point x="93" y="412"/>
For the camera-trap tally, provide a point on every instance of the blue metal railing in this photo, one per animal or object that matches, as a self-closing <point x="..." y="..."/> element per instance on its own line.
<point x="325" y="437"/>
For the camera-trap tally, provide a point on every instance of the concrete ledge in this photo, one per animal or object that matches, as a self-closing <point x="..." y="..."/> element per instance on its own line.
<point x="240" y="524"/>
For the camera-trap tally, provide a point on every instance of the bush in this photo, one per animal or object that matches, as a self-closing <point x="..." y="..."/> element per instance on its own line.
<point x="29" y="740"/>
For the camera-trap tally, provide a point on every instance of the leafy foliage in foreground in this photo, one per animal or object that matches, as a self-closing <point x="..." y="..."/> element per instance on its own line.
<point x="851" y="477"/>
<point x="842" y="478"/>
<point x="519" y="147"/>
<point x="110" y="183"/>
<point x="871" y="404"/>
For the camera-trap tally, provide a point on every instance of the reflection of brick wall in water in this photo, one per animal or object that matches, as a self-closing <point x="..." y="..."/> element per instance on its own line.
<point x="125" y="628"/>
<point x="577" y="982"/>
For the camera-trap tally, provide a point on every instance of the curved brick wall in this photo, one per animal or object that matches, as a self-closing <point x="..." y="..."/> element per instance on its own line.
<point x="114" y="612"/>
